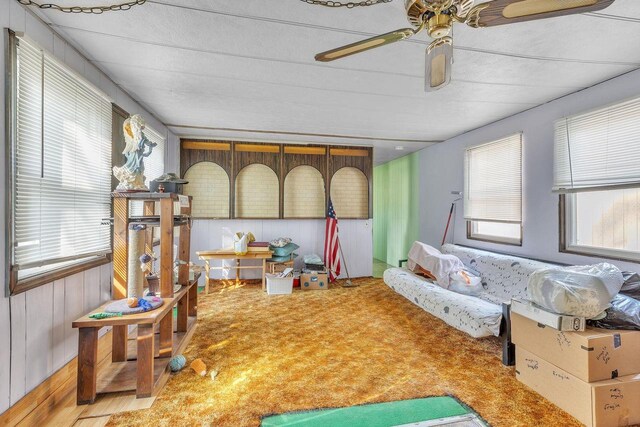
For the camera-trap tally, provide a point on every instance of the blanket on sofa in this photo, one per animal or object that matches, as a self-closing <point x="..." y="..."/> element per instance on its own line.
<point x="503" y="277"/>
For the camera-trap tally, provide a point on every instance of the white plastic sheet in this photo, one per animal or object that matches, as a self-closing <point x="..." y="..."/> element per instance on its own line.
<point x="584" y="291"/>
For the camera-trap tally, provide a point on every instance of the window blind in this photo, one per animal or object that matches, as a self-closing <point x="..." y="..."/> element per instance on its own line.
<point x="154" y="164"/>
<point x="62" y="164"/>
<point x="599" y="149"/>
<point x="493" y="181"/>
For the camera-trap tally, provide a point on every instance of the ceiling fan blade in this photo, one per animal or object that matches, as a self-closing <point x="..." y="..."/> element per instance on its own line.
<point x="361" y="46"/>
<point x="499" y="12"/>
<point x="439" y="63"/>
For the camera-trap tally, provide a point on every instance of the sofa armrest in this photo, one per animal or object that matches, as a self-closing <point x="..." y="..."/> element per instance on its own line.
<point x="508" y="348"/>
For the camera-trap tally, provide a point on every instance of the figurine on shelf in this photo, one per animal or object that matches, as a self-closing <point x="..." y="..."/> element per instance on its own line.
<point x="131" y="174"/>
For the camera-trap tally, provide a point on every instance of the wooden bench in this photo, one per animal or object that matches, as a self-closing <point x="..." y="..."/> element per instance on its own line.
<point x="141" y="369"/>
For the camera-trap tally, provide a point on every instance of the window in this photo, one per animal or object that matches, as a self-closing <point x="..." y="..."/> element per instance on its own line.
<point x="493" y="191"/>
<point x="154" y="164"/>
<point x="153" y="168"/>
<point x="597" y="172"/>
<point x="61" y="167"/>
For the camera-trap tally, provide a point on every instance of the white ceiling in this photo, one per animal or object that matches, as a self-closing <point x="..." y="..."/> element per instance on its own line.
<point x="221" y="68"/>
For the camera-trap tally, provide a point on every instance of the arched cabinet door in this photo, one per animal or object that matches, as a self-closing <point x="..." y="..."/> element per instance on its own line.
<point x="209" y="186"/>
<point x="350" y="193"/>
<point x="304" y="193"/>
<point x="257" y="192"/>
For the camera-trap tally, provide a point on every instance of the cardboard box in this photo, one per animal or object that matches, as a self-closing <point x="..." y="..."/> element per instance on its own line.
<point x="557" y="321"/>
<point x="614" y="402"/>
<point x="591" y="355"/>
<point x="314" y="280"/>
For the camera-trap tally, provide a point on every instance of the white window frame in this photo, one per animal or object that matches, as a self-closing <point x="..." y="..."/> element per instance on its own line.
<point x="473" y="234"/>
<point x="472" y="224"/>
<point x="568" y="234"/>
<point x="617" y="174"/>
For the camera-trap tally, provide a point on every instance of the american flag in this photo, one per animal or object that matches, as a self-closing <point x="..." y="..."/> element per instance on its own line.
<point x="331" y="244"/>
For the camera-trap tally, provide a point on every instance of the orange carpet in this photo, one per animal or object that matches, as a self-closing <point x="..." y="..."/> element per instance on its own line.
<point x="341" y="347"/>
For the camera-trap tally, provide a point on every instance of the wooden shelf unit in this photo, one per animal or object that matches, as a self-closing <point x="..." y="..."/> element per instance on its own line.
<point x="142" y="367"/>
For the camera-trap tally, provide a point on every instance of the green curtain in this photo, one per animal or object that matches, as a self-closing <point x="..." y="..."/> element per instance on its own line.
<point x="395" y="208"/>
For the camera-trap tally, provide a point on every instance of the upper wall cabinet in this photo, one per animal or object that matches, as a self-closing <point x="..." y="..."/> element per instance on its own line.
<point x="209" y="186"/>
<point x="257" y="192"/>
<point x="304" y="193"/>
<point x="266" y="180"/>
<point x="350" y="193"/>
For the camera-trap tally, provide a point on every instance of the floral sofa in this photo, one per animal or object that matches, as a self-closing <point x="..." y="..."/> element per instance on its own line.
<point x="503" y="277"/>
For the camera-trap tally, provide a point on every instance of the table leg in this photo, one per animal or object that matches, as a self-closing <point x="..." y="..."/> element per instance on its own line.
<point x="166" y="335"/>
<point x="183" y="314"/>
<point x="144" y="369"/>
<point x="87" y="365"/>
<point x="206" y="278"/>
<point x="193" y="300"/>
<point x="237" y="270"/>
<point x="264" y="271"/>
<point x="119" y="338"/>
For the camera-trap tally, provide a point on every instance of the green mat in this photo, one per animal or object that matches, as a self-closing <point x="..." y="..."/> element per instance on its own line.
<point x="374" y="415"/>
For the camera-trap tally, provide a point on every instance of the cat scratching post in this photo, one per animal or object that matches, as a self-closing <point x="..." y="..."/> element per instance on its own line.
<point x="135" y="280"/>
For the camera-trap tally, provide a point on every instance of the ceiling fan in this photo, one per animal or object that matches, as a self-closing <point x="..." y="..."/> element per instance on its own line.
<point x="438" y="16"/>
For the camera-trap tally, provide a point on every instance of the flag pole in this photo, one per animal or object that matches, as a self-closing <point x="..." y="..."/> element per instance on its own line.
<point x="348" y="283"/>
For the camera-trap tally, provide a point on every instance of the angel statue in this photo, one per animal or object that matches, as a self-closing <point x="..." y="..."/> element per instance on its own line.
<point x="131" y="174"/>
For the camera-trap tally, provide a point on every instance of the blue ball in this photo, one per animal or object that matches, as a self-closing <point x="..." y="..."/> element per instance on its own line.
<point x="177" y="363"/>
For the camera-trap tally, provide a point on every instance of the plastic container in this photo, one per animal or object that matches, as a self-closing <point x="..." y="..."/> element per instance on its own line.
<point x="279" y="285"/>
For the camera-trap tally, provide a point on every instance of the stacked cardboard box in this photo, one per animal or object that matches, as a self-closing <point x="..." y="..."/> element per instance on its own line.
<point x="593" y="374"/>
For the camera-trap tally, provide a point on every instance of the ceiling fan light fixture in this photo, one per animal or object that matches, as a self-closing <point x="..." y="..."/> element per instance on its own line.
<point x="535" y="7"/>
<point x="438" y="64"/>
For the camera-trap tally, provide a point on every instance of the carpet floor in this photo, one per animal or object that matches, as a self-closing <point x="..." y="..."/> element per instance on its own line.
<point x="329" y="349"/>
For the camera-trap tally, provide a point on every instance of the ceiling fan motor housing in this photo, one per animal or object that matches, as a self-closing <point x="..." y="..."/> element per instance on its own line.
<point x="439" y="25"/>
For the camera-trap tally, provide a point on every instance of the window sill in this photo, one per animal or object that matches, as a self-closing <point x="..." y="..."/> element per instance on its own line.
<point x="494" y="239"/>
<point x="596" y="253"/>
<point x="23" y="285"/>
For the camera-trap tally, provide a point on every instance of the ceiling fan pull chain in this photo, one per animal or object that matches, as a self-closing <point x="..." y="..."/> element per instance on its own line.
<point x="348" y="5"/>
<point x="96" y="10"/>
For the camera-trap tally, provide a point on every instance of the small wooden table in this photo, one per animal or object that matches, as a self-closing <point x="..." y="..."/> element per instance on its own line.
<point x="222" y="254"/>
<point x="141" y="373"/>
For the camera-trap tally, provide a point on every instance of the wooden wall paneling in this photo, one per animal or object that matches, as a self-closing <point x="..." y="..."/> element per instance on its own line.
<point x="196" y="151"/>
<point x="18" y="347"/>
<point x="59" y="326"/>
<point x="281" y="178"/>
<point x="73" y="308"/>
<point x="296" y="155"/>
<point x="5" y="356"/>
<point x="39" y="335"/>
<point x="262" y="153"/>
<point x="232" y="184"/>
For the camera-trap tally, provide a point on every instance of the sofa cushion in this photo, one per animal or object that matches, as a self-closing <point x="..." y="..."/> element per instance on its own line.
<point x="503" y="276"/>
<point x="469" y="314"/>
